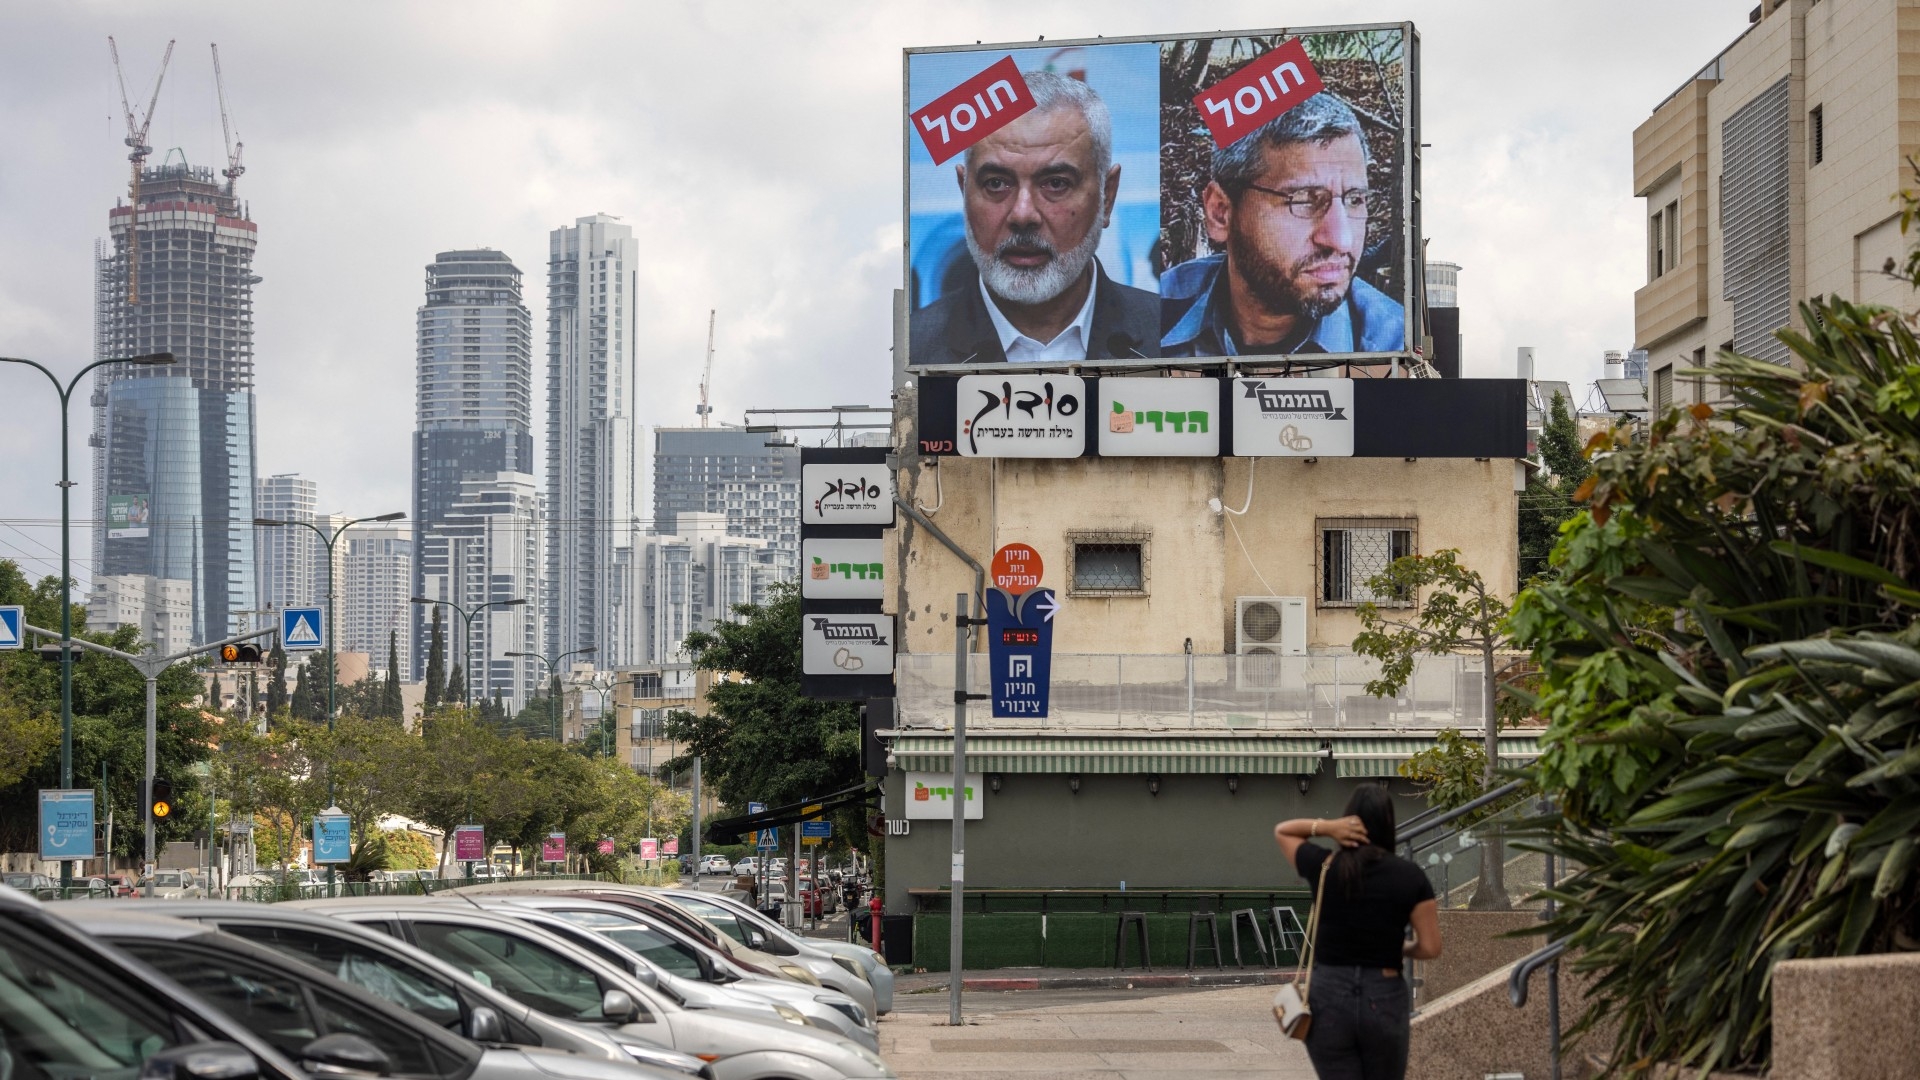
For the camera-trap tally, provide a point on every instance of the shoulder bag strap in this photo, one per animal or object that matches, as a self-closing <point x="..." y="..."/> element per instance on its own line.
<point x="1303" y="975"/>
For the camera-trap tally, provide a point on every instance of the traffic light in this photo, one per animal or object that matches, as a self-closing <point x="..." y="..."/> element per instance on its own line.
<point x="160" y="800"/>
<point x="240" y="654"/>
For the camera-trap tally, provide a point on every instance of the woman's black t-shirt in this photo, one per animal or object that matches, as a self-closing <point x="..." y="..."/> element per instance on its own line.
<point x="1368" y="928"/>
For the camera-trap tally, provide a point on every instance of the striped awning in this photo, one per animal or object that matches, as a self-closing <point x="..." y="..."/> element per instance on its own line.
<point x="1382" y="757"/>
<point x="1109" y="754"/>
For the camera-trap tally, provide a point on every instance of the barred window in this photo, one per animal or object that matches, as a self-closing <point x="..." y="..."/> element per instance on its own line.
<point x="1108" y="564"/>
<point x="1354" y="550"/>
<point x="649" y="723"/>
<point x="646" y="684"/>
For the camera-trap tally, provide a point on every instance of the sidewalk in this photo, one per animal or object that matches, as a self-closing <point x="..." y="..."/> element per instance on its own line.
<point x="1089" y="978"/>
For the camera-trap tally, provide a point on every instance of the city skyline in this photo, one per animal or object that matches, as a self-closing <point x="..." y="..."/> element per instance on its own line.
<point x="364" y="174"/>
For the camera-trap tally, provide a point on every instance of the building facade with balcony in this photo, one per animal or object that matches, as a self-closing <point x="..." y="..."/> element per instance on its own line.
<point x="1203" y="683"/>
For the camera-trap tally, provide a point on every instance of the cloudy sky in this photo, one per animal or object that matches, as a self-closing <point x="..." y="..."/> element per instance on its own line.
<point x="754" y="147"/>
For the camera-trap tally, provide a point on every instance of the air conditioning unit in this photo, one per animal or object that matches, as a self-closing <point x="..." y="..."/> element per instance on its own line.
<point x="1266" y="628"/>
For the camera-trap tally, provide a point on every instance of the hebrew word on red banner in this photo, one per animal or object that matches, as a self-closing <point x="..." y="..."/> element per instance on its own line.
<point x="973" y="110"/>
<point x="1274" y="82"/>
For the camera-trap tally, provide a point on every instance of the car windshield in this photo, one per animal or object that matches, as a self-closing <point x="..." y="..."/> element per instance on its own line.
<point x="60" y="1019"/>
<point x="527" y="971"/>
<point x="167" y="881"/>
<point x="665" y="953"/>
<point x="18" y="881"/>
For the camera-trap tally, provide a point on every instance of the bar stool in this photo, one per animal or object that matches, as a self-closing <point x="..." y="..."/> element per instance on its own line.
<point x="1253" y="924"/>
<point x="1131" y="918"/>
<point x="1288" y="934"/>
<point x="1194" y="919"/>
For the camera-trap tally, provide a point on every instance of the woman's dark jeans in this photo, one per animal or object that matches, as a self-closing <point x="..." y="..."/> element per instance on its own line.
<point x="1360" y="1019"/>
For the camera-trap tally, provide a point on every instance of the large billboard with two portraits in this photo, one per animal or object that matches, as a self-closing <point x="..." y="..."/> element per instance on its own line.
<point x="1139" y="201"/>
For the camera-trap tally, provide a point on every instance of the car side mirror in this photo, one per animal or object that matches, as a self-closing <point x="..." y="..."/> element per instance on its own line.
<point x="485" y="1026"/>
<point x="202" y="1061"/>
<point x="756" y="940"/>
<point x="646" y="976"/>
<point x="344" y="1052"/>
<point x="618" y="1006"/>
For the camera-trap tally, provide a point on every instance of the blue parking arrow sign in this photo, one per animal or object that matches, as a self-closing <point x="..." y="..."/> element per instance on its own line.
<point x="66" y="824"/>
<point x="13" y="619"/>
<point x="1020" y="650"/>
<point x="302" y="628"/>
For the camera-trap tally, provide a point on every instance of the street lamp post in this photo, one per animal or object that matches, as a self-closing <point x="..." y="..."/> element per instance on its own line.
<point x="66" y="572"/>
<point x="553" y="673"/>
<point x="603" y="686"/>
<point x="333" y="631"/>
<point x="467" y="642"/>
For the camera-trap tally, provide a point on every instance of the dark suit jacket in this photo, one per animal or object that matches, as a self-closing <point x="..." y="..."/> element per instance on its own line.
<point x="956" y="329"/>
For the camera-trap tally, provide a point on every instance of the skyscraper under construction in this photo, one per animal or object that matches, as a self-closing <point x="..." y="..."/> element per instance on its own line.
<point x="174" y="446"/>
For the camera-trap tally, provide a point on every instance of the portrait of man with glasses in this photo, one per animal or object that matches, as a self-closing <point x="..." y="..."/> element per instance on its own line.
<point x="1286" y="208"/>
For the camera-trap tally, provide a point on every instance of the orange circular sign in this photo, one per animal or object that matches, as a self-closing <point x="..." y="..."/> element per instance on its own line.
<point x="1017" y="568"/>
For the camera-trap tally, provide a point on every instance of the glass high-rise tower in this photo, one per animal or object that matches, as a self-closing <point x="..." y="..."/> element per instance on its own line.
<point x="174" y="446"/>
<point x="474" y="419"/>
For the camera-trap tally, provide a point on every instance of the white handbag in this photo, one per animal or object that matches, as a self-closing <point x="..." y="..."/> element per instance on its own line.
<point x="1290" y="1003"/>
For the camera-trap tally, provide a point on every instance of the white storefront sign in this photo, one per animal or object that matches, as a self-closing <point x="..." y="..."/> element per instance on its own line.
<point x="1159" y="417"/>
<point x="846" y="644"/>
<point x="1293" y="417"/>
<point x="1021" y="416"/>
<point x="841" y="569"/>
<point x="846" y="495"/>
<point x="930" y="796"/>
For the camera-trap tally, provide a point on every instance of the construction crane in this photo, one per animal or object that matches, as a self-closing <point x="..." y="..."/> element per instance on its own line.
<point x="234" y="169"/>
<point x="706" y="376"/>
<point x="137" y="141"/>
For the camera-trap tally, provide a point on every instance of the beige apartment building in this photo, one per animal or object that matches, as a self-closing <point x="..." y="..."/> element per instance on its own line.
<point x="1769" y="177"/>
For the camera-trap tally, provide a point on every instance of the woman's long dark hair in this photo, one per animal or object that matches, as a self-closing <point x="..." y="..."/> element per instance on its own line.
<point x="1374" y="807"/>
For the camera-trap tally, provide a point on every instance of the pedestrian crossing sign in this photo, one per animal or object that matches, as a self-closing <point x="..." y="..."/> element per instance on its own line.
<point x="301" y="628"/>
<point x="13" y="618"/>
<point x="768" y="840"/>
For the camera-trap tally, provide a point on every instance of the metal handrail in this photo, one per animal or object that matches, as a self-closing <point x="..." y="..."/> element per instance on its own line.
<point x="1416" y="826"/>
<point x="1524" y="969"/>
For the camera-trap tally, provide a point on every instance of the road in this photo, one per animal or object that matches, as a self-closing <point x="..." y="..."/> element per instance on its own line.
<point x="1092" y="1035"/>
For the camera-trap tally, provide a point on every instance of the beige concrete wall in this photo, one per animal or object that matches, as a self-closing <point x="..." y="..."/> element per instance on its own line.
<point x="1473" y="943"/>
<point x="1669" y="162"/>
<point x="1195" y="563"/>
<point x="1852" y="1018"/>
<point x="1475" y="1031"/>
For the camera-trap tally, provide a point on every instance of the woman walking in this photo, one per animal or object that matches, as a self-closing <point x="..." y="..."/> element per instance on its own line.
<point x="1358" y="996"/>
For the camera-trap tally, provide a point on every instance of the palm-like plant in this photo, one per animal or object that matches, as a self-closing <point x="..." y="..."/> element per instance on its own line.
<point x="1731" y="674"/>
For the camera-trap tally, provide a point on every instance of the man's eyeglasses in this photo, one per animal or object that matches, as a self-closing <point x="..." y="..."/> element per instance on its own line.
<point x="1312" y="203"/>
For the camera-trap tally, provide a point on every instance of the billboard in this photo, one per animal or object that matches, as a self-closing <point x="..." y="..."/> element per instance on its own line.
<point x="127" y="516"/>
<point x="1129" y="201"/>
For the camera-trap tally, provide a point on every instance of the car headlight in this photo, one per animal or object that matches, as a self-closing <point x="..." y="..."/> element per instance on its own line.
<point x="799" y="974"/>
<point x="853" y="967"/>
<point x="851" y="1010"/>
<point x="791" y="1015"/>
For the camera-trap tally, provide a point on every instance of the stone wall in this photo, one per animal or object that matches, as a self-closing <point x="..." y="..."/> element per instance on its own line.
<point x="1472" y="944"/>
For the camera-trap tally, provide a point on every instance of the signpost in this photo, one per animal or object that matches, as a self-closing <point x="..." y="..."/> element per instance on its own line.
<point x="302" y="628"/>
<point x="649" y="849"/>
<point x="66" y="824"/>
<point x="332" y="837"/>
<point x="671" y="846"/>
<point x="554" y="848"/>
<point x="1020" y="650"/>
<point x="815" y="832"/>
<point x="12" y="618"/>
<point x="768" y="840"/>
<point x="469" y="844"/>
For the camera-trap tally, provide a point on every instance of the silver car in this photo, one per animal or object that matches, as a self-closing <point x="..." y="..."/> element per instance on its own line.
<point x="554" y="976"/>
<point x="601" y="926"/>
<point x="329" y="1026"/>
<point x="849" y="968"/>
<point x="389" y="968"/>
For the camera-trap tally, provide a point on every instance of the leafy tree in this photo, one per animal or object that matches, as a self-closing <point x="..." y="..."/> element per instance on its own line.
<point x="408" y="850"/>
<point x="1729" y="656"/>
<point x="436" y="660"/>
<point x="762" y="739"/>
<point x="1456" y="612"/>
<point x="1547" y="503"/>
<point x="1560" y="445"/>
<point x="392" y="706"/>
<point x="456" y="687"/>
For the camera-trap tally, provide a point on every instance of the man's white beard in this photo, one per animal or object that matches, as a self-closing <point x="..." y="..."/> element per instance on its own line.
<point x="1040" y="284"/>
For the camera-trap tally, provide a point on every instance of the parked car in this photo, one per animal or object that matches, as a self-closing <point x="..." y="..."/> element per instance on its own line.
<point x="621" y="934"/>
<point x="334" y="1025"/>
<point x="715" y="864"/>
<point x="387" y="967"/>
<point x="58" y="982"/>
<point x="733" y="917"/>
<point x="747" y="867"/>
<point x="171" y="885"/>
<point x="553" y="975"/>
<point x="829" y="961"/>
<point x="38" y="885"/>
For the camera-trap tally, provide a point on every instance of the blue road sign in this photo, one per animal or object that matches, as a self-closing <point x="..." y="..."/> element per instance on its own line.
<point x="302" y="628"/>
<point x="331" y="843"/>
<point x="756" y="808"/>
<point x="13" y="619"/>
<point x="66" y="824"/>
<point x="1020" y="650"/>
<point x="820" y="829"/>
<point x="768" y="840"/>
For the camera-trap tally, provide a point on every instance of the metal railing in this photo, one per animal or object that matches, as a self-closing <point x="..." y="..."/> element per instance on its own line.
<point x="1179" y="692"/>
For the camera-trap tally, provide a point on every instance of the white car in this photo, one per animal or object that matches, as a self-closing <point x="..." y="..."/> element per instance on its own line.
<point x="172" y="885"/>
<point x="716" y="864"/>
<point x="747" y="867"/>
